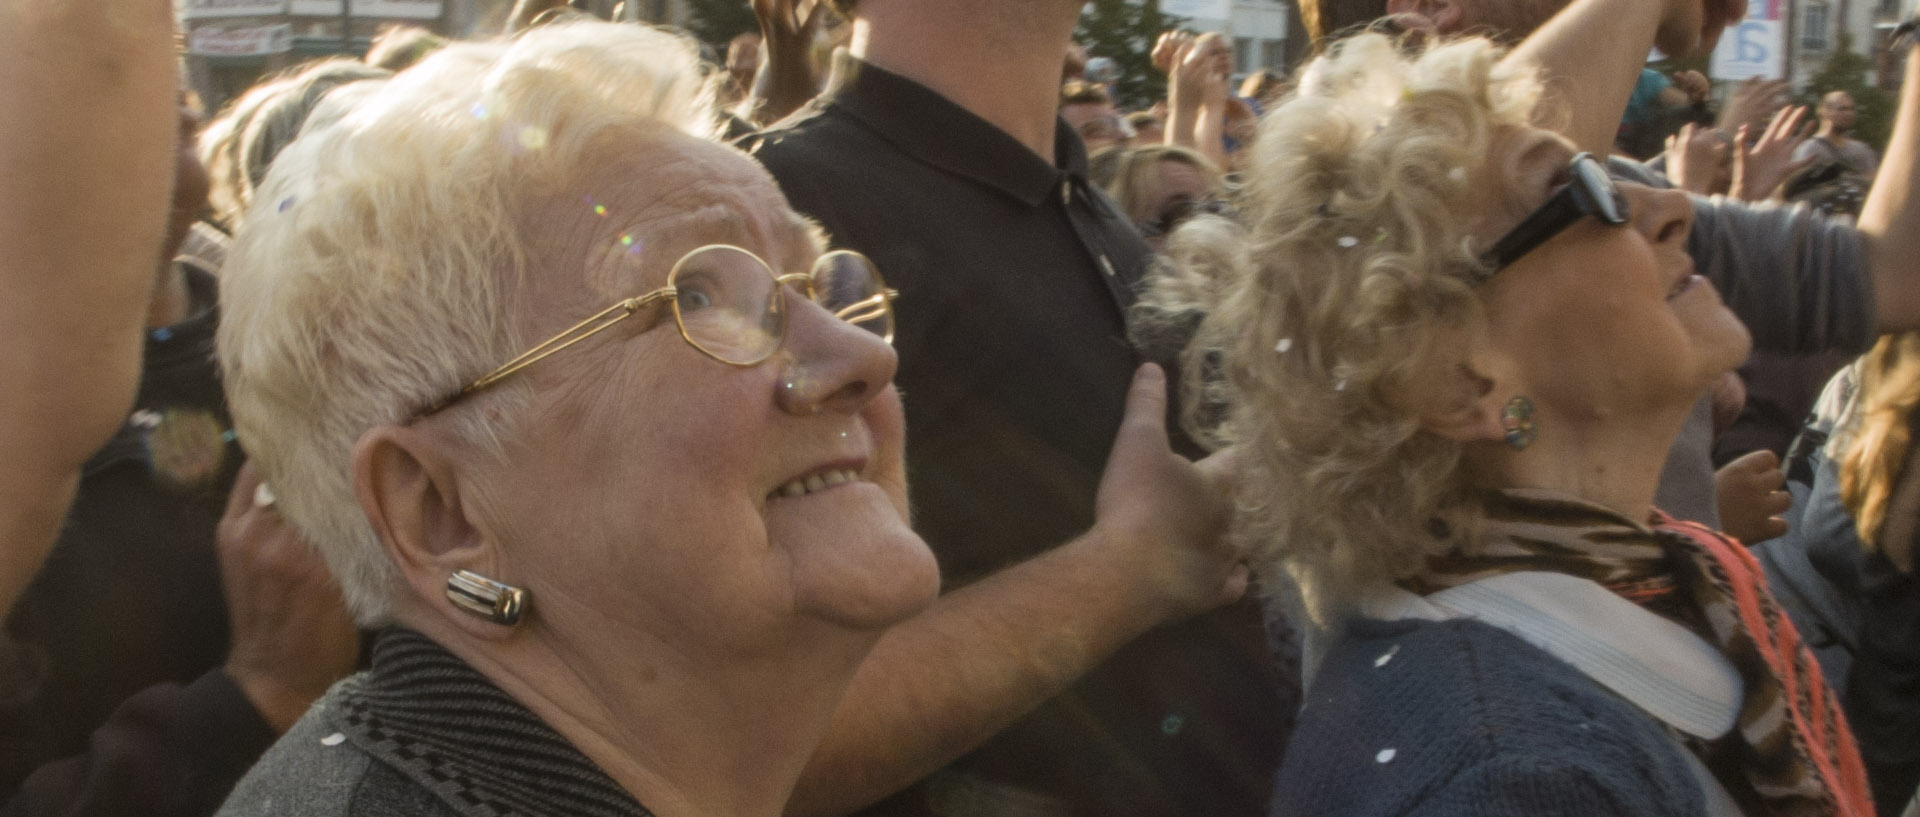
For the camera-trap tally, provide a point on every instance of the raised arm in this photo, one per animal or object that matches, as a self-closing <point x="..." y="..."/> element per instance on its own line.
<point x="1592" y="51"/>
<point x="87" y="128"/>
<point x="1890" y="218"/>
<point x="942" y="683"/>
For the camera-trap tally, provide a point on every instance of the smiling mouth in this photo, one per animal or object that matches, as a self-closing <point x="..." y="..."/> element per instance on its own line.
<point x="815" y="482"/>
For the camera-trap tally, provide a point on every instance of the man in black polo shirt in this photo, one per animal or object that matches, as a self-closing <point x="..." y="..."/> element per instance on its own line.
<point x="941" y="158"/>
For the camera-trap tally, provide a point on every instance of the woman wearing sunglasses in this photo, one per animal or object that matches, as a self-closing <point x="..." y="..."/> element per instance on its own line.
<point x="1454" y="356"/>
<point x="572" y="402"/>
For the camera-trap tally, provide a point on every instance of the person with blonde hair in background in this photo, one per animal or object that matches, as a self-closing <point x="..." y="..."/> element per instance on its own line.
<point x="1159" y="186"/>
<point x="1846" y="570"/>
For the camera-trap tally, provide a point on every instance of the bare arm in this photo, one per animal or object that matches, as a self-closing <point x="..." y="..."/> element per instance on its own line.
<point x="942" y="683"/>
<point x="1890" y="218"/>
<point x="1591" y="52"/>
<point x="87" y="128"/>
<point x="1197" y="96"/>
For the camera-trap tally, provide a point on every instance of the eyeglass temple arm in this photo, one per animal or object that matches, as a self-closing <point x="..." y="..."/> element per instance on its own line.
<point x="1532" y="232"/>
<point x="573" y="334"/>
<point x="868" y="308"/>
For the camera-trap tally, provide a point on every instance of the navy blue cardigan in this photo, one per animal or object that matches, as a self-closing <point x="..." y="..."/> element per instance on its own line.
<point x="1465" y="719"/>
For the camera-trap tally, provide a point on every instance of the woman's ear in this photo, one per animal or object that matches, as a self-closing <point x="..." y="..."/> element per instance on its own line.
<point x="412" y="493"/>
<point x="1472" y="401"/>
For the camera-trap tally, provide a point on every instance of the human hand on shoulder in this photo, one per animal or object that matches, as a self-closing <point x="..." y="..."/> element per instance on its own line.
<point x="1164" y="518"/>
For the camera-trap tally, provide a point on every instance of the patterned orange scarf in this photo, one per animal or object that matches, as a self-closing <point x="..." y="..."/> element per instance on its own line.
<point x="1794" y="750"/>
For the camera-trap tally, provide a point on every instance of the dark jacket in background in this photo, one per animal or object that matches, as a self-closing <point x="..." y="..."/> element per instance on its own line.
<point x="1015" y="275"/>
<point x="111" y="700"/>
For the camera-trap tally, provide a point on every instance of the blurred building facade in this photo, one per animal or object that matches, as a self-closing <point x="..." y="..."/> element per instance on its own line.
<point x="232" y="44"/>
<point x="1265" y="33"/>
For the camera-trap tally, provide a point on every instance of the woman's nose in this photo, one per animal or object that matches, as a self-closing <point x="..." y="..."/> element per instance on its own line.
<point x="1664" y="216"/>
<point x="830" y="364"/>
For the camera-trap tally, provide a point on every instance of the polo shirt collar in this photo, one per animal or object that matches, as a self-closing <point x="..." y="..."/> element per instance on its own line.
<point x="930" y="127"/>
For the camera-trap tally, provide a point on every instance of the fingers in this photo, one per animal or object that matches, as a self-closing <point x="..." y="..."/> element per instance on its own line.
<point x="1757" y="463"/>
<point x="1236" y="584"/>
<point x="1146" y="412"/>
<point x="244" y="485"/>
<point x="1782" y="127"/>
<point x="1752" y="497"/>
<point x="1170" y="49"/>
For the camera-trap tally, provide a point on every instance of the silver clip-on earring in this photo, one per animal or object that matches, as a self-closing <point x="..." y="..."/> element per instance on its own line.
<point x="502" y="604"/>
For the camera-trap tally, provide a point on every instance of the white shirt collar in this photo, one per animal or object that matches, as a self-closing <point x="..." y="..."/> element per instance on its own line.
<point x="1657" y="665"/>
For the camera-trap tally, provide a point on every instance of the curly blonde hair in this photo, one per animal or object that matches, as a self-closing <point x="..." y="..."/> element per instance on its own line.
<point x="1339" y="310"/>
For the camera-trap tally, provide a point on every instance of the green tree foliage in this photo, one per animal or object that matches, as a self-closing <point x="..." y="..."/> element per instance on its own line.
<point x="1124" y="31"/>
<point x="1847" y="71"/>
<point x="717" y="22"/>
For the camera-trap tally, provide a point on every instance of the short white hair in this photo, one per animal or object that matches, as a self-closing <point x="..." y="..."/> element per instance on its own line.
<point x="380" y="258"/>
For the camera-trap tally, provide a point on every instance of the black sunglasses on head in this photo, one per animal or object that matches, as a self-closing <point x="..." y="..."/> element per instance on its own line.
<point x="1589" y="191"/>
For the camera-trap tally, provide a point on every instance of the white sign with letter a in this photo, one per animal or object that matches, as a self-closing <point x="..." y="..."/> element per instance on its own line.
<point x="1754" y="47"/>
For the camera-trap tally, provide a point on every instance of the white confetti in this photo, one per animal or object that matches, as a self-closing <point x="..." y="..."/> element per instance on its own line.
<point x="1283" y="345"/>
<point x="1349" y="242"/>
<point x="1340" y="385"/>
<point x="1387" y="656"/>
<point x="1385" y="756"/>
<point x="334" y="739"/>
<point x="1458" y="175"/>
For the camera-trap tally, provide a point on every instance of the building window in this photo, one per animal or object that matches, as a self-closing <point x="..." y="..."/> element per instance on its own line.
<point x="1243" y="53"/>
<point x="1813" y="26"/>
<point x="1273" y="53"/>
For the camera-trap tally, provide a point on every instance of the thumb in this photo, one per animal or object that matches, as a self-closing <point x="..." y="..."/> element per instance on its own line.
<point x="1145" y="422"/>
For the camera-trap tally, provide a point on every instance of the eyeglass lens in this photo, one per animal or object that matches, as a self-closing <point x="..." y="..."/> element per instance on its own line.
<point x="729" y="304"/>
<point x="846" y="284"/>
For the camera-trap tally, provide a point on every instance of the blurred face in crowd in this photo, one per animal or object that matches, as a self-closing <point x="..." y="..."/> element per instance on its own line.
<point x="1173" y="191"/>
<point x="1837" y="111"/>
<point x="743" y="59"/>
<point x="1097" y="123"/>
<point x="1601" y="320"/>
<point x="715" y="506"/>
<point x="1148" y="129"/>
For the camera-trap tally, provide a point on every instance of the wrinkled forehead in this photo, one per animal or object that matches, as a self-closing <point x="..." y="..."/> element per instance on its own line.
<point x="635" y="209"/>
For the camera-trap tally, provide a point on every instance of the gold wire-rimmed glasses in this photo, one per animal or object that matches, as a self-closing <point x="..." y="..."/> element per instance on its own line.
<point x="731" y="306"/>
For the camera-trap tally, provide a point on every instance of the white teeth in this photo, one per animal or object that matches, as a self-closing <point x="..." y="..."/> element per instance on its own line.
<point x="817" y="482"/>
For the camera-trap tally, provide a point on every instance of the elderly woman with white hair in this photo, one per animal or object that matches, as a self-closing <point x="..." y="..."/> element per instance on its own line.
<point x="567" y="396"/>
<point x="1453" y="353"/>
